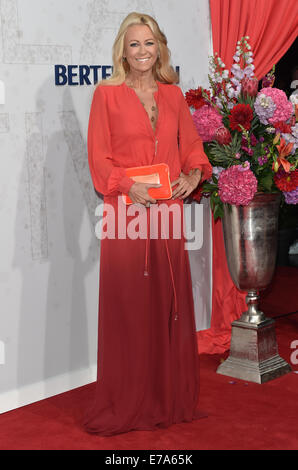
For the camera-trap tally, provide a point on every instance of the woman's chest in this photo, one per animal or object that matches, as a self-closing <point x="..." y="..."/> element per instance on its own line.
<point x="131" y="115"/>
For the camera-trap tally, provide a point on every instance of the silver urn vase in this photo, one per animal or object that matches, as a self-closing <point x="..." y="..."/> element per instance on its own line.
<point x="250" y="237"/>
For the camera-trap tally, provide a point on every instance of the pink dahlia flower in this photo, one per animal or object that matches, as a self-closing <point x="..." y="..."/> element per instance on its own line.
<point x="236" y="186"/>
<point x="283" y="107"/>
<point x="207" y="120"/>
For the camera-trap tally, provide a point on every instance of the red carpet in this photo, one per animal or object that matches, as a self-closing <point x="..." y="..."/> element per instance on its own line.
<point x="240" y="415"/>
<point x="281" y="297"/>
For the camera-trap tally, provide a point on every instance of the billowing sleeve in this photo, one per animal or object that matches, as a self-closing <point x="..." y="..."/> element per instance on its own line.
<point x="191" y="148"/>
<point x="107" y="178"/>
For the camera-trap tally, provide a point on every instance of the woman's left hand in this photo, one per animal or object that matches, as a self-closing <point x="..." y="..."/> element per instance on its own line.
<point x="186" y="184"/>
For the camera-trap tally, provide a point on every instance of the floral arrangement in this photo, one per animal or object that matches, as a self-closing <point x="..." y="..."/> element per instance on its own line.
<point x="250" y="136"/>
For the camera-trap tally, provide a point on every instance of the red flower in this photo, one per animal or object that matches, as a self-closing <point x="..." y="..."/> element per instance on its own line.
<point x="194" y="98"/>
<point x="249" y="86"/>
<point x="282" y="127"/>
<point x="197" y="194"/>
<point x="284" y="149"/>
<point x="223" y="136"/>
<point x="241" y="114"/>
<point x="268" y="80"/>
<point x="286" y="181"/>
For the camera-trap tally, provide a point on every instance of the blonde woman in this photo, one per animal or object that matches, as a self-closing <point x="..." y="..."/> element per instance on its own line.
<point x="147" y="350"/>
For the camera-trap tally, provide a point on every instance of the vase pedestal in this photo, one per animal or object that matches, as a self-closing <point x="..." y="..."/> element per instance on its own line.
<point x="254" y="353"/>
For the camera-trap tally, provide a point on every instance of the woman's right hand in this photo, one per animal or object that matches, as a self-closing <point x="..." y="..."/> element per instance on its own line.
<point x="139" y="193"/>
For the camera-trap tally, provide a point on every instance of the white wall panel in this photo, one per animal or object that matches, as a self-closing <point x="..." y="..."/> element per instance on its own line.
<point x="49" y="255"/>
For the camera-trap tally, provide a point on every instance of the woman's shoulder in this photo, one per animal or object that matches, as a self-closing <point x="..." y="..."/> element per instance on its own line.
<point x="171" y="89"/>
<point x="173" y="94"/>
<point x="107" y="88"/>
<point x="106" y="91"/>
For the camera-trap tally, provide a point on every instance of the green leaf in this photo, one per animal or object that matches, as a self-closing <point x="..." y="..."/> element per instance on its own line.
<point x="267" y="181"/>
<point x="224" y="155"/>
<point x="209" y="188"/>
<point x="218" y="211"/>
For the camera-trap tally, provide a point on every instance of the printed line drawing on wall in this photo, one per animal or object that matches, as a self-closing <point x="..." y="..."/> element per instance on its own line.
<point x="36" y="182"/>
<point x="14" y="52"/>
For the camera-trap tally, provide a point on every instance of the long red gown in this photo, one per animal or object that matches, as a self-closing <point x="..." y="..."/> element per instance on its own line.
<point x="147" y="345"/>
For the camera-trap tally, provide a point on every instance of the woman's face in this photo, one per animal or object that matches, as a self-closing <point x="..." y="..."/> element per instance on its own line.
<point x="140" y="48"/>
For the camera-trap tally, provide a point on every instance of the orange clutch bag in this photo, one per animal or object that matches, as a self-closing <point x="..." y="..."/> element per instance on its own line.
<point x="152" y="174"/>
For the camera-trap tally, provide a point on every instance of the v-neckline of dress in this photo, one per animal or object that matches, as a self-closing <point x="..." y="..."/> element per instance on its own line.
<point x="156" y="99"/>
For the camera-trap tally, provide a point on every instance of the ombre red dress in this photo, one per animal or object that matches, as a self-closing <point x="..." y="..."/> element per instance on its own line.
<point x="148" y="374"/>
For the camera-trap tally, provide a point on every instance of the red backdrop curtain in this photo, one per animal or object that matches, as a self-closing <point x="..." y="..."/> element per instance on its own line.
<point x="270" y="24"/>
<point x="272" y="27"/>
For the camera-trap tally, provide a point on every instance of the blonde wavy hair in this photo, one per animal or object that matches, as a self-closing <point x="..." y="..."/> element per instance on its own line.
<point x="162" y="69"/>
